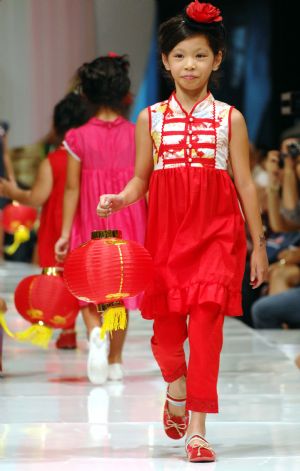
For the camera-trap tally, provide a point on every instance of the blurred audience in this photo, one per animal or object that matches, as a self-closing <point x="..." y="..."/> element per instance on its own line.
<point x="279" y="308"/>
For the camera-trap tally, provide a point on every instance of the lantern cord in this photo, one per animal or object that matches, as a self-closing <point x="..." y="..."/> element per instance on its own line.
<point x="39" y="335"/>
<point x="21" y="235"/>
<point x="114" y="318"/>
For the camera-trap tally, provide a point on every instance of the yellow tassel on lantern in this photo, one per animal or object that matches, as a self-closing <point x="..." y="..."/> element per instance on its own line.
<point x="21" y="235"/>
<point x="37" y="334"/>
<point x="114" y="317"/>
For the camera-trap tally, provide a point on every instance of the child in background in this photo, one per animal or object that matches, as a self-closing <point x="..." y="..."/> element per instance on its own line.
<point x="195" y="230"/>
<point x="6" y="169"/>
<point x="101" y="159"/>
<point x="48" y="190"/>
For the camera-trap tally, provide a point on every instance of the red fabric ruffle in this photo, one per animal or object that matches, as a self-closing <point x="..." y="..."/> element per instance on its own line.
<point x="180" y="300"/>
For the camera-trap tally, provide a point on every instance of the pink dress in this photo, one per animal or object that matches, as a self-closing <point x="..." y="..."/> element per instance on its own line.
<point x="106" y="151"/>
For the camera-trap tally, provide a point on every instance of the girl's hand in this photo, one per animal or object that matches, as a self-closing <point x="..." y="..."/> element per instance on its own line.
<point x="61" y="248"/>
<point x="259" y="267"/>
<point x="109" y="204"/>
<point x="8" y="188"/>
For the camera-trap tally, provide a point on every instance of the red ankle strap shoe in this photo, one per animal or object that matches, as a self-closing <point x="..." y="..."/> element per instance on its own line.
<point x="199" y="450"/>
<point x="175" y="426"/>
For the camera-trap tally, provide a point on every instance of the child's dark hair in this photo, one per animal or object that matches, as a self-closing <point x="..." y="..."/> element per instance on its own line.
<point x="71" y="112"/>
<point x="180" y="27"/>
<point x="105" y="82"/>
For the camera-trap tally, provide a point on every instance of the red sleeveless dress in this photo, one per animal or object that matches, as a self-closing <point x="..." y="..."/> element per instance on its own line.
<point x="196" y="231"/>
<point x="51" y="216"/>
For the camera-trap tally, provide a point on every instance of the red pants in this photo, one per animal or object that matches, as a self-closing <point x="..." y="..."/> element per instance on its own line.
<point x="205" y="334"/>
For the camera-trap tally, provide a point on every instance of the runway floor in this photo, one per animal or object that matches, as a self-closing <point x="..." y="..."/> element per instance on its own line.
<point x="52" y="418"/>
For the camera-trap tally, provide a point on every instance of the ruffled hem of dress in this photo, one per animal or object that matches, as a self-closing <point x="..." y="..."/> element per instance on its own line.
<point x="181" y="300"/>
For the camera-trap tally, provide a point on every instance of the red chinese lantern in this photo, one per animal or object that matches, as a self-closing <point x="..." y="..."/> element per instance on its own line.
<point x="106" y="270"/>
<point x="18" y="219"/>
<point x="45" y="301"/>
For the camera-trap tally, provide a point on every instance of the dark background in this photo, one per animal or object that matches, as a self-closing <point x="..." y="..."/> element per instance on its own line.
<point x="261" y="62"/>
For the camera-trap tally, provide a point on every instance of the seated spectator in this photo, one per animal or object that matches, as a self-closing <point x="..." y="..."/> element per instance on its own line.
<point x="280" y="309"/>
<point x="283" y="189"/>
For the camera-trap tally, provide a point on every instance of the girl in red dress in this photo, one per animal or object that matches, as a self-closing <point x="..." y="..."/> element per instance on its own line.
<point x="48" y="190"/>
<point x="196" y="231"/>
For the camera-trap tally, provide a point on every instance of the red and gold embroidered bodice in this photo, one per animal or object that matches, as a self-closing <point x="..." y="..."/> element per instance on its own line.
<point x="197" y="139"/>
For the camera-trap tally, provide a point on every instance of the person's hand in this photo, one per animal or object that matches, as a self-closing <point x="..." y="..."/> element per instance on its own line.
<point x="8" y="188"/>
<point x="3" y="307"/>
<point x="61" y="248"/>
<point x="289" y="256"/>
<point x="259" y="267"/>
<point x="109" y="204"/>
<point x="289" y="163"/>
<point x="272" y="168"/>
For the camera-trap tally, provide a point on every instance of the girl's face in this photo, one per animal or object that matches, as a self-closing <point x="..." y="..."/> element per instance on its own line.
<point x="191" y="63"/>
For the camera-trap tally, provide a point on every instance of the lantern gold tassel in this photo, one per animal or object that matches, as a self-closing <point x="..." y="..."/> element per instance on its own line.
<point x="114" y="318"/>
<point x="37" y="334"/>
<point x="21" y="235"/>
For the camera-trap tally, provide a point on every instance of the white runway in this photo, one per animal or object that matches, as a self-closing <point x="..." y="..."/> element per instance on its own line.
<point x="52" y="418"/>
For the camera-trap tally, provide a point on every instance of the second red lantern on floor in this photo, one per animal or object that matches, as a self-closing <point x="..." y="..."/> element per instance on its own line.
<point x="44" y="300"/>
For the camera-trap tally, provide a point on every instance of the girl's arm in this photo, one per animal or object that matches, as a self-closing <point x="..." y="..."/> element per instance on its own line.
<point x="239" y="154"/>
<point x="137" y="187"/>
<point x="7" y="161"/>
<point x="71" y="197"/>
<point x="38" y="194"/>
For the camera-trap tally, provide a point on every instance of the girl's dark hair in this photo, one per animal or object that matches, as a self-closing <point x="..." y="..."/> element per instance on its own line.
<point x="180" y="27"/>
<point x="105" y="82"/>
<point x="71" y="112"/>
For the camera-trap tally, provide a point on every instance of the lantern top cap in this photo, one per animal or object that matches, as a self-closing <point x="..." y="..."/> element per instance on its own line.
<point x="55" y="271"/>
<point x="106" y="234"/>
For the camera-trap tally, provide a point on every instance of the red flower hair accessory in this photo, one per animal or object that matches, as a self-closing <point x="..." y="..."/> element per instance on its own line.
<point x="113" y="54"/>
<point x="203" y="12"/>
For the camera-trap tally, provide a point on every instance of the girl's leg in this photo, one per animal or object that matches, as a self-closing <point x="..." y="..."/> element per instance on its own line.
<point x="91" y="318"/>
<point x="117" y="340"/>
<point x="205" y="338"/>
<point x="170" y="333"/>
<point x="97" y="365"/>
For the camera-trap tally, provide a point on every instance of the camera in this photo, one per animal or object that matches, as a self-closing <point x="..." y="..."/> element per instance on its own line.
<point x="293" y="150"/>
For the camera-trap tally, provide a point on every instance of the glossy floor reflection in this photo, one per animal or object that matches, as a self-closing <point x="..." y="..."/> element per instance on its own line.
<point x="52" y="418"/>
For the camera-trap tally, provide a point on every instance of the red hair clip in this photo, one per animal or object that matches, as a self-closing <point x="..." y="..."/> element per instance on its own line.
<point x="203" y="12"/>
<point x="113" y="54"/>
